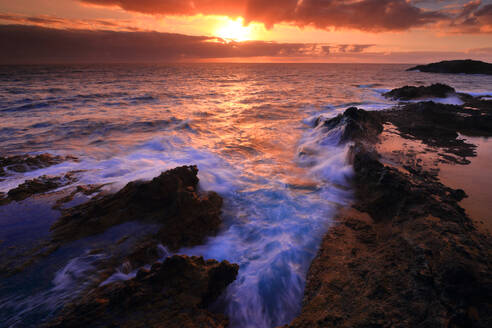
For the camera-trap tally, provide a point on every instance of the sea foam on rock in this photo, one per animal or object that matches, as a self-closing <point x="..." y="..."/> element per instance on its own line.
<point x="175" y="293"/>
<point x="353" y="124"/>
<point x="36" y="186"/>
<point x="25" y="163"/>
<point x="172" y="292"/>
<point x="171" y="199"/>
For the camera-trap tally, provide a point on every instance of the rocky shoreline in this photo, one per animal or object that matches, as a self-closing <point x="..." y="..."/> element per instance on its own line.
<point x="166" y="290"/>
<point x="174" y="293"/>
<point x="405" y="254"/>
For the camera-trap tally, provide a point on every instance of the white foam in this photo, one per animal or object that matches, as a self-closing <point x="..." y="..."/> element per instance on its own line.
<point x="127" y="272"/>
<point x="477" y="94"/>
<point x="66" y="285"/>
<point x="142" y="162"/>
<point x="451" y="100"/>
<point x="273" y="234"/>
<point x="270" y="230"/>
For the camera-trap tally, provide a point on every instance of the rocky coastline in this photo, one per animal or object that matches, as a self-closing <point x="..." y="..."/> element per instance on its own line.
<point x="405" y="254"/>
<point x="170" y="290"/>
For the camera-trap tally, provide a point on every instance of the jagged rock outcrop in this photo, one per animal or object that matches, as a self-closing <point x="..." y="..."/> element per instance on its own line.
<point x="354" y="123"/>
<point x="175" y="293"/>
<point x="25" y="163"/>
<point x="36" y="186"/>
<point x="171" y="199"/>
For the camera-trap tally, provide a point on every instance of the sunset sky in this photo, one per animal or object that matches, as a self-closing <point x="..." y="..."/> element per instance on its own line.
<point x="405" y="31"/>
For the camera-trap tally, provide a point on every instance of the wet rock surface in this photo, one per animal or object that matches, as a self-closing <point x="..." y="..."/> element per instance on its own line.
<point x="36" y="186"/>
<point x="439" y="125"/>
<point x="437" y="90"/>
<point x="167" y="291"/>
<point x="26" y="163"/>
<point x="170" y="199"/>
<point x="455" y="67"/>
<point x="355" y="124"/>
<point x="406" y="254"/>
<point x="87" y="190"/>
<point x="174" y="293"/>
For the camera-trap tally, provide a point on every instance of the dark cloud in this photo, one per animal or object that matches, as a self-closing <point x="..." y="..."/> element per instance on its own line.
<point x="35" y="44"/>
<point x="22" y="44"/>
<point x="369" y="15"/>
<point x="27" y="19"/>
<point x="485" y="14"/>
<point x="474" y="17"/>
<point x="57" y="22"/>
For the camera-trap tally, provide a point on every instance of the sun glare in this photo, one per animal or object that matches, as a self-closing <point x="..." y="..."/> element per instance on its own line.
<point x="234" y="30"/>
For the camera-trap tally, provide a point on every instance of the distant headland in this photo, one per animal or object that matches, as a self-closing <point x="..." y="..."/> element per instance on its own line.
<point x="466" y="66"/>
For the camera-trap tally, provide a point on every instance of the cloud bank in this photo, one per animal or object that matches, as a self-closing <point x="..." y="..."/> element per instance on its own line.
<point x="23" y="44"/>
<point x="36" y="44"/>
<point x="368" y="15"/>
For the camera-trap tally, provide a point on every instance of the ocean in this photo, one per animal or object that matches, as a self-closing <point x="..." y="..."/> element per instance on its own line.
<point x="248" y="128"/>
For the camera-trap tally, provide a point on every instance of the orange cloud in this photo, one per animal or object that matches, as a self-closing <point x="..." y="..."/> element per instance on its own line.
<point x="369" y="15"/>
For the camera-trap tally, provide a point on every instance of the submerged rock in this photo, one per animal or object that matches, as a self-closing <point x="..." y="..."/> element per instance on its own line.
<point x="405" y="255"/>
<point x="456" y="66"/>
<point x="175" y="293"/>
<point x="38" y="186"/>
<point x="436" y="90"/>
<point x="170" y="199"/>
<point x="26" y="163"/>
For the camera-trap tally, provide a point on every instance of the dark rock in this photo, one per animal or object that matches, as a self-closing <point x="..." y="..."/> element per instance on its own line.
<point x="175" y="293"/>
<point x="170" y="199"/>
<point x="438" y="125"/>
<point x="437" y="90"/>
<point x="357" y="124"/>
<point x="86" y="190"/>
<point x="405" y="254"/>
<point x="455" y="67"/>
<point x="25" y="163"/>
<point x="385" y="192"/>
<point x="38" y="186"/>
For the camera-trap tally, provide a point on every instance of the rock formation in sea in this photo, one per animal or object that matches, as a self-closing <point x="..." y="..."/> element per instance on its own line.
<point x="405" y="254"/>
<point x="26" y="163"/>
<point x="36" y="186"/>
<point x="437" y="90"/>
<point x="174" y="293"/>
<point x="171" y="200"/>
<point x="467" y="66"/>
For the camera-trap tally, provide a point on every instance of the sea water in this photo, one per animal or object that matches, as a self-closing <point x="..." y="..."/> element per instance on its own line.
<point x="248" y="127"/>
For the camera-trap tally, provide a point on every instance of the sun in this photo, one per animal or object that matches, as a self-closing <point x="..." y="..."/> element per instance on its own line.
<point x="234" y="30"/>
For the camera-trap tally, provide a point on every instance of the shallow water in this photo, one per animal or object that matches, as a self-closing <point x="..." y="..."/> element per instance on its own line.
<point x="471" y="179"/>
<point x="248" y="127"/>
